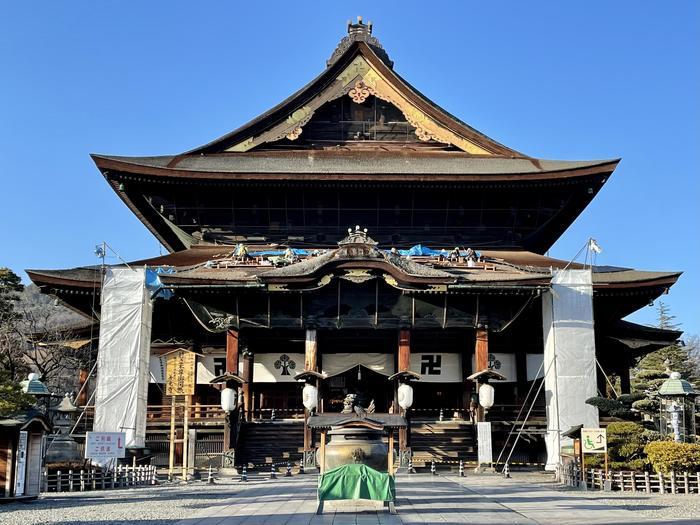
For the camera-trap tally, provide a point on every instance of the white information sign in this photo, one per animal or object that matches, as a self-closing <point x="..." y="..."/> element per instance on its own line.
<point x="594" y="441"/>
<point x="105" y="445"/>
<point x="21" y="463"/>
<point x="484" y="448"/>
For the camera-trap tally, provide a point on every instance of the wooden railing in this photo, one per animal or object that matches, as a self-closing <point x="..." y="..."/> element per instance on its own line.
<point x="273" y="414"/>
<point x="196" y="412"/>
<point x="97" y="479"/>
<point x="630" y="481"/>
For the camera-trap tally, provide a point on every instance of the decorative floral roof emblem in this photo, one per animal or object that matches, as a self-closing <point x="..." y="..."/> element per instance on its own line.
<point x="360" y="92"/>
<point x="294" y="134"/>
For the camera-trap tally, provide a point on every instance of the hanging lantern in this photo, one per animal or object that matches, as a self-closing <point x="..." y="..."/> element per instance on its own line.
<point x="405" y="394"/>
<point x="486" y="394"/>
<point x="309" y="397"/>
<point x="228" y="399"/>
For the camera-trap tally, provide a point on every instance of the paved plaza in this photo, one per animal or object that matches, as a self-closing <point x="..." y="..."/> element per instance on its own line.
<point x="422" y="498"/>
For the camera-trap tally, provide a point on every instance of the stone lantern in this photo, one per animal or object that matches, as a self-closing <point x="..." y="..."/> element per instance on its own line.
<point x="677" y="408"/>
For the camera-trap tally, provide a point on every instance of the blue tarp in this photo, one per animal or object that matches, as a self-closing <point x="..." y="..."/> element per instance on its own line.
<point x="153" y="282"/>
<point x="419" y="249"/>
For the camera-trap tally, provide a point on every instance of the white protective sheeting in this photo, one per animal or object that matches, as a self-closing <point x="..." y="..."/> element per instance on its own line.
<point x="334" y="364"/>
<point x="123" y="356"/>
<point x="437" y="367"/>
<point x="569" y="357"/>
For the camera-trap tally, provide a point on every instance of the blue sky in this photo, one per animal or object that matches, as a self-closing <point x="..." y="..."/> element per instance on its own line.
<point x="562" y="80"/>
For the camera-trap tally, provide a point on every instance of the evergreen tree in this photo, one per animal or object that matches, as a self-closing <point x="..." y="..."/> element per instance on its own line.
<point x="654" y="368"/>
<point x="12" y="399"/>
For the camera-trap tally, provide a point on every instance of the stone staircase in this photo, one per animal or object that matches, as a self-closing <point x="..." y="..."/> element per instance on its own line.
<point x="265" y="442"/>
<point x="447" y="442"/>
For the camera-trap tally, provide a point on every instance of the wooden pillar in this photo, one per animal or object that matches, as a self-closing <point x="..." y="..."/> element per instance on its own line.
<point x="82" y="379"/>
<point x="231" y="368"/>
<point x="404" y="350"/>
<point x="624" y="372"/>
<point x="310" y="363"/>
<point x="248" y="361"/>
<point x="481" y="358"/>
<point x="481" y="349"/>
<point x="232" y="352"/>
<point x="404" y="362"/>
<point x="310" y="350"/>
<point x="521" y="376"/>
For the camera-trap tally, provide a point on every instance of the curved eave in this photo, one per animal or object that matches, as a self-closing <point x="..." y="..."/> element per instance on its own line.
<point x="61" y="279"/>
<point x="108" y="164"/>
<point x="306" y="93"/>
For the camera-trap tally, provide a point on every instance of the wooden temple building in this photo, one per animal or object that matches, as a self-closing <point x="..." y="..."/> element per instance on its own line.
<point x="357" y="230"/>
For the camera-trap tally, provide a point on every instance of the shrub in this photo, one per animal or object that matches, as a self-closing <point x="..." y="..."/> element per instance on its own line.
<point x="620" y="407"/>
<point x="669" y="456"/>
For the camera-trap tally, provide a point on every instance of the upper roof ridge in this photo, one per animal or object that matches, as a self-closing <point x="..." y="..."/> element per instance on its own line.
<point x="359" y="32"/>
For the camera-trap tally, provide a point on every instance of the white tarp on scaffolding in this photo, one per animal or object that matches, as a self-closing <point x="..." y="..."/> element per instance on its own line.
<point x="569" y="357"/>
<point x="123" y="357"/>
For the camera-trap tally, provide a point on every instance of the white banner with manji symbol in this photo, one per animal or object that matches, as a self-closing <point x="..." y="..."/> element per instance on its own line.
<point x="437" y="367"/>
<point x="280" y="367"/>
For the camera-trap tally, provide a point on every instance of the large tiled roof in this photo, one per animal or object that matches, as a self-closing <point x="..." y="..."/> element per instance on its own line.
<point x="354" y="162"/>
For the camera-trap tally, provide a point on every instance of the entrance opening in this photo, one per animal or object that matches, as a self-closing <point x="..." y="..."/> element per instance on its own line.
<point x="366" y="384"/>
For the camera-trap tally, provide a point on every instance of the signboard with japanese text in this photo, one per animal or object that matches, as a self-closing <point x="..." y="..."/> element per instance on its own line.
<point x="179" y="373"/>
<point x="21" y="463"/>
<point x="594" y="441"/>
<point x="105" y="445"/>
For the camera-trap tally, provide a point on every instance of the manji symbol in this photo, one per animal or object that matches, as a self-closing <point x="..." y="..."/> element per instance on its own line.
<point x="285" y="364"/>
<point x="430" y="365"/>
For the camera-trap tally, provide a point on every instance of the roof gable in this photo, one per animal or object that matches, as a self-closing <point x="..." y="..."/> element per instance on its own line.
<point x="357" y="69"/>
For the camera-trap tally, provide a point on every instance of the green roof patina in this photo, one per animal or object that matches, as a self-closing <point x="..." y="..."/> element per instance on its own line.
<point x="675" y="386"/>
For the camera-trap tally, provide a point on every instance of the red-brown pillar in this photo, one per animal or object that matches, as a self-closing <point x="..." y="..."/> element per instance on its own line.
<point x="248" y="361"/>
<point x="232" y="352"/>
<point x="404" y="350"/>
<point x="231" y="368"/>
<point x="311" y="364"/>
<point x="481" y="358"/>
<point x="481" y="350"/>
<point x="82" y="379"/>
<point x="404" y="362"/>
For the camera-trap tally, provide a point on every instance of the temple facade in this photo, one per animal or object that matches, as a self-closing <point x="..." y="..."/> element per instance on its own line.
<point x="357" y="236"/>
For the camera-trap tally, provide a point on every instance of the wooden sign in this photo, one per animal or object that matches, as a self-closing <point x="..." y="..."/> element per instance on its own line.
<point x="179" y="373"/>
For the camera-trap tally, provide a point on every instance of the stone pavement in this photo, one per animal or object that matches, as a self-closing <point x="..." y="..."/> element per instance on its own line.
<point x="422" y="498"/>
